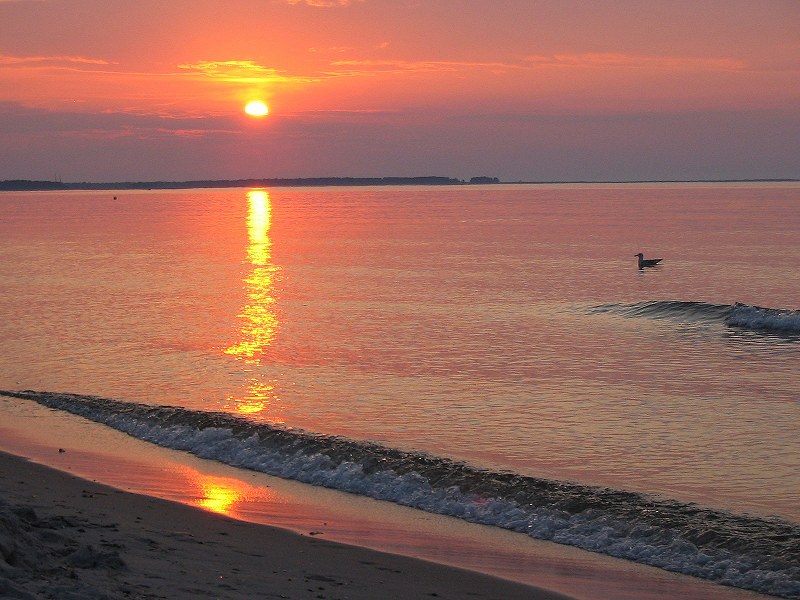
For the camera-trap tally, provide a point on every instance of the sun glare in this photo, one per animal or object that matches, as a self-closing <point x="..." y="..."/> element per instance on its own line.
<point x="256" y="108"/>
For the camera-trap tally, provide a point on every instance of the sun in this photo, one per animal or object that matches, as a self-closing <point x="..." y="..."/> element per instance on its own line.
<point x="256" y="108"/>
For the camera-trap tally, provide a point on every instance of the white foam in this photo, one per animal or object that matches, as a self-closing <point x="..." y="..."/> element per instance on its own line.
<point x="754" y="317"/>
<point x="591" y="530"/>
<point x="596" y="529"/>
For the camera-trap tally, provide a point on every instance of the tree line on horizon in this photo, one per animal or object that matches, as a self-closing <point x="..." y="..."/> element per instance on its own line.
<point x="32" y="185"/>
<point x="26" y="185"/>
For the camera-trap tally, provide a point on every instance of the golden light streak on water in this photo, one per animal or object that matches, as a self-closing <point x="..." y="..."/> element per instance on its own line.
<point x="258" y="319"/>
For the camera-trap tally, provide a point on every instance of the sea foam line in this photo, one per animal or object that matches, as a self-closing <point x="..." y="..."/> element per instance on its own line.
<point x="747" y="552"/>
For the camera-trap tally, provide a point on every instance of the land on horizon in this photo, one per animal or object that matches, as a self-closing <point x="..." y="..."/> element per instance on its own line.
<point x="21" y="185"/>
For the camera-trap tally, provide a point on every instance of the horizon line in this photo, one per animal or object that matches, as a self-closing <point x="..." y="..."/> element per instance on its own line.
<point x="343" y="181"/>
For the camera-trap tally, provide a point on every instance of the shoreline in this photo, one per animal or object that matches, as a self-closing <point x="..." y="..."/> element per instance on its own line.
<point x="60" y="534"/>
<point x="101" y="454"/>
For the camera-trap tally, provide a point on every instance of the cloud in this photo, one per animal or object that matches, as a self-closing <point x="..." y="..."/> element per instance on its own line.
<point x="16" y="119"/>
<point x="323" y="3"/>
<point x="48" y="61"/>
<point x="330" y="49"/>
<point x="602" y="60"/>
<point x="240" y="71"/>
<point x="598" y="61"/>
<point x="419" y="66"/>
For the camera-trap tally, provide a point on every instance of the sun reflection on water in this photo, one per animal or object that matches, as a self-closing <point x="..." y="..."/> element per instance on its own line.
<point x="216" y="497"/>
<point x="258" y="319"/>
<point x="223" y="495"/>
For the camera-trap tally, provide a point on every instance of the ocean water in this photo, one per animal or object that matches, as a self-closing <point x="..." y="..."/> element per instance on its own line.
<point x="487" y="352"/>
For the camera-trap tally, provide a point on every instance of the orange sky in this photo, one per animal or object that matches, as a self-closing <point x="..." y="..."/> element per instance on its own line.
<point x="545" y="90"/>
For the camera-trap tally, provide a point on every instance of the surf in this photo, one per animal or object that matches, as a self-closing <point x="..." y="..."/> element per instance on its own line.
<point x="750" y="552"/>
<point x="737" y="315"/>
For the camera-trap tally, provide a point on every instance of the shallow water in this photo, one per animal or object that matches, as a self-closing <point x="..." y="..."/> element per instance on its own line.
<point x="498" y="325"/>
<point x="102" y="454"/>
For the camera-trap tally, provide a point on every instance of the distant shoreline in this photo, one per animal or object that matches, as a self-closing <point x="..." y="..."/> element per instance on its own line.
<point x="22" y="185"/>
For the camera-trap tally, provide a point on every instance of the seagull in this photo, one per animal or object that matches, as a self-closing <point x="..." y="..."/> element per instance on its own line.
<point x="647" y="262"/>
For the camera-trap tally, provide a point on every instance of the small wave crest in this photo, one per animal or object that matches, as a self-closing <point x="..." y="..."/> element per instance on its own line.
<point x="761" y="554"/>
<point x="743" y="316"/>
<point x="758" y="318"/>
<point x="668" y="309"/>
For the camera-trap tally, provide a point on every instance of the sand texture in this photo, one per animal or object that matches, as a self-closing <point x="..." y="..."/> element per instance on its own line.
<point x="67" y="538"/>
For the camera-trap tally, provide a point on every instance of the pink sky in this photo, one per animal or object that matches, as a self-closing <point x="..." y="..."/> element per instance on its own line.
<point x="109" y="90"/>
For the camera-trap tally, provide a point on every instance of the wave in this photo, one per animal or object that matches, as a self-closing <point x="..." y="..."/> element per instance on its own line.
<point x="772" y="319"/>
<point x="743" y="316"/>
<point x="760" y="554"/>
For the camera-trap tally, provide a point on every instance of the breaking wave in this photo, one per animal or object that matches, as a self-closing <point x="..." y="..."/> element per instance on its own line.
<point x="743" y="316"/>
<point x="756" y="553"/>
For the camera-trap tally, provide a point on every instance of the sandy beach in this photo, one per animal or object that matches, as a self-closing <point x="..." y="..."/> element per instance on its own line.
<point x="65" y="537"/>
<point x="94" y="453"/>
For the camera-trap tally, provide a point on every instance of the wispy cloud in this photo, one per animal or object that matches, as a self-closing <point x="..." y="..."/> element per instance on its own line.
<point x="597" y="61"/>
<point x="49" y="61"/>
<point x="330" y="49"/>
<point x="241" y="71"/>
<point x="324" y="3"/>
<point x="602" y="60"/>
<point x="419" y="66"/>
<point x="17" y="118"/>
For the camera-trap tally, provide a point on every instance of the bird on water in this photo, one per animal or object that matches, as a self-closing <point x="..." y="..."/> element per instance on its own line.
<point x="647" y="262"/>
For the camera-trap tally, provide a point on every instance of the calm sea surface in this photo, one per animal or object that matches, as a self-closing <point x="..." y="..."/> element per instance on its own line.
<point x="504" y="326"/>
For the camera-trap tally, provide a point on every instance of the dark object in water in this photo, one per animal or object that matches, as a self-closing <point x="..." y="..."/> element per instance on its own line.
<point x="647" y="262"/>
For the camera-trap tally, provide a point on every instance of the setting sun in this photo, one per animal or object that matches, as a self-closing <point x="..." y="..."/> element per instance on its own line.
<point x="256" y="108"/>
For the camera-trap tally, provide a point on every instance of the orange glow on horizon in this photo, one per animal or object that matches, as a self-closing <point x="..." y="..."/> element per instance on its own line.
<point x="320" y="87"/>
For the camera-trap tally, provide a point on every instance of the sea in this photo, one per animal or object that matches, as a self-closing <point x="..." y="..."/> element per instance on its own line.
<point x="488" y="352"/>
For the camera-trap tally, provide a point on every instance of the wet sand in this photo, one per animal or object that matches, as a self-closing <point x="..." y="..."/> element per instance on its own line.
<point x="61" y="536"/>
<point x="96" y="453"/>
